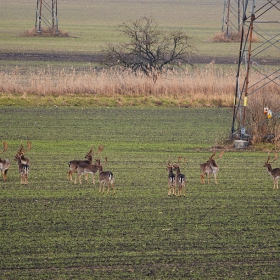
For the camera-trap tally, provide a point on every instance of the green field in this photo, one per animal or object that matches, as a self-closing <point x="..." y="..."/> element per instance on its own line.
<point x="53" y="229"/>
<point x="91" y="24"/>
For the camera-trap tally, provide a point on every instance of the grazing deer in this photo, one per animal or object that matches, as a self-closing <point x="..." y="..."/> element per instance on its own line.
<point x="73" y="165"/>
<point x="4" y="163"/>
<point x="171" y="179"/>
<point x="275" y="173"/>
<point x="210" y="167"/>
<point x="180" y="178"/>
<point x="84" y="168"/>
<point x="106" y="177"/>
<point x="23" y="163"/>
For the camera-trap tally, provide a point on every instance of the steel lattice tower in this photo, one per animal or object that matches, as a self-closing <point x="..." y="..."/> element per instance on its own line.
<point x="260" y="18"/>
<point x="44" y="10"/>
<point x="232" y="17"/>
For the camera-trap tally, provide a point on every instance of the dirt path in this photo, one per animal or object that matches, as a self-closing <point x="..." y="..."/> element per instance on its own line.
<point x="95" y="58"/>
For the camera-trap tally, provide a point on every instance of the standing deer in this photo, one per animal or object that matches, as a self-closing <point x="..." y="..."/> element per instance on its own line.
<point x="21" y="152"/>
<point x="171" y="179"/>
<point x="210" y="167"/>
<point x="23" y="170"/>
<point x="84" y="168"/>
<point x="275" y="173"/>
<point x="4" y="163"/>
<point x="180" y="178"/>
<point x="23" y="163"/>
<point x="106" y="178"/>
<point x="73" y="165"/>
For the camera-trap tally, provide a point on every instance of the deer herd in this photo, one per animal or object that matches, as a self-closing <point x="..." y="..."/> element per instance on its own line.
<point x="87" y="167"/>
<point x="176" y="181"/>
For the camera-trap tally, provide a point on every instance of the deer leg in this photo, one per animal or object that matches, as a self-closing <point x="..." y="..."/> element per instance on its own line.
<point x="5" y="175"/>
<point x="80" y="178"/>
<point x="215" y="176"/>
<point x="184" y="192"/>
<point x="202" y="179"/>
<point x="69" y="177"/>
<point x="179" y="190"/>
<point x="108" y="188"/>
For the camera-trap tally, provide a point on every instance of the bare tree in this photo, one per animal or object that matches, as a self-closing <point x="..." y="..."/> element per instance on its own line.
<point x="149" y="49"/>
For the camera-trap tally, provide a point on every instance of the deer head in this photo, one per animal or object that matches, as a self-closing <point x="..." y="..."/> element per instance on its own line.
<point x="169" y="165"/>
<point x="88" y="156"/>
<point x="269" y="162"/>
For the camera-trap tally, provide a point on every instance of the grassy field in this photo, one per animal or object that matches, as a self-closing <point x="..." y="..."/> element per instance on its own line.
<point x="91" y="24"/>
<point x="53" y="229"/>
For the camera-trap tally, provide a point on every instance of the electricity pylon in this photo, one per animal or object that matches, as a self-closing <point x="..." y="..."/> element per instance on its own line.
<point x="260" y="18"/>
<point x="232" y="17"/>
<point x="46" y="13"/>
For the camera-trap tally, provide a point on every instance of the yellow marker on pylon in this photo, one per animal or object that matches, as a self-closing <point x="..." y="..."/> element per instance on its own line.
<point x="269" y="114"/>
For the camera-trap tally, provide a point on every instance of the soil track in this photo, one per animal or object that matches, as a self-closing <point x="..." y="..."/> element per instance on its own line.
<point x="95" y="58"/>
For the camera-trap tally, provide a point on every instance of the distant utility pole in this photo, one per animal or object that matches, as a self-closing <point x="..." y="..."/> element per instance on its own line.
<point x="232" y="17"/>
<point x="260" y="18"/>
<point x="46" y="14"/>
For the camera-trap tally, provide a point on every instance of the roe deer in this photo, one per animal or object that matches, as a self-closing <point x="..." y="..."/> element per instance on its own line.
<point x="180" y="178"/>
<point x="171" y="179"/>
<point x="106" y="177"/>
<point x="275" y="173"/>
<point x="210" y="167"/>
<point x="23" y="163"/>
<point x="4" y="163"/>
